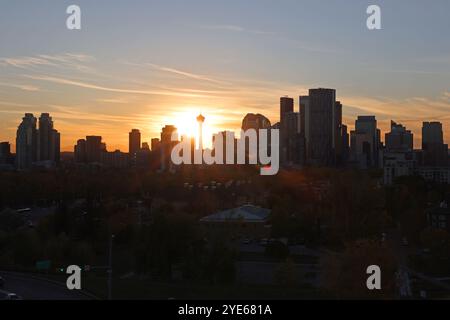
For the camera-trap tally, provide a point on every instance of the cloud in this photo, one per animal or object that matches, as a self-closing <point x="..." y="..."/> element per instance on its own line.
<point x="88" y="85"/>
<point x="179" y="72"/>
<point x="75" y="61"/>
<point x="24" y="87"/>
<point x="235" y="28"/>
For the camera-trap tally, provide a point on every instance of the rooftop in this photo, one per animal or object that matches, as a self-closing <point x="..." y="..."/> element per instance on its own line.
<point x="246" y="213"/>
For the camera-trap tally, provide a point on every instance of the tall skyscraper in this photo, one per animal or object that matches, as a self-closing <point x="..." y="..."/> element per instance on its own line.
<point x="80" y="151"/>
<point x="134" y="142"/>
<point x="365" y="142"/>
<point x="435" y="152"/>
<point x="255" y="122"/>
<point x="48" y="140"/>
<point x="399" y="139"/>
<point x="26" y="142"/>
<point x="286" y="106"/>
<point x="166" y="145"/>
<point x="345" y="145"/>
<point x="93" y="148"/>
<point x="321" y="123"/>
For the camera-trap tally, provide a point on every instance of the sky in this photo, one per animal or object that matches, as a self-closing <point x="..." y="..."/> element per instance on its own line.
<point x="144" y="64"/>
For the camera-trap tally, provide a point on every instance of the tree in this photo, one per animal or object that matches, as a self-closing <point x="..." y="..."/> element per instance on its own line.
<point x="345" y="273"/>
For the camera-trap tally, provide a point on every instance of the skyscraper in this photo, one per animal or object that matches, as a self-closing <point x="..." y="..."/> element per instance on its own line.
<point x="134" y="142"/>
<point x="286" y="106"/>
<point x="256" y="122"/>
<point x="399" y="139"/>
<point x="26" y="142"/>
<point x="365" y="142"/>
<point x="166" y="145"/>
<point x="5" y="153"/>
<point x="321" y="125"/>
<point x="80" y="151"/>
<point x="435" y="152"/>
<point x="93" y="148"/>
<point x="48" y="140"/>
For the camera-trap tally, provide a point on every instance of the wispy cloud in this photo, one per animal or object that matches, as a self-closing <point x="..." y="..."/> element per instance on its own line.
<point x="74" y="61"/>
<point x="24" y="87"/>
<point x="235" y="28"/>
<point x="178" y="72"/>
<point x="92" y="86"/>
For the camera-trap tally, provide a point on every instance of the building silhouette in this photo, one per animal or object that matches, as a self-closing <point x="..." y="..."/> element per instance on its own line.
<point x="80" y="151"/>
<point x="48" y="139"/>
<point x="256" y="122"/>
<point x="365" y="143"/>
<point x="399" y="139"/>
<point x="6" y="158"/>
<point x="435" y="152"/>
<point x="134" y="144"/>
<point x="94" y="148"/>
<point x="166" y="146"/>
<point x="26" y="142"/>
<point x="321" y="121"/>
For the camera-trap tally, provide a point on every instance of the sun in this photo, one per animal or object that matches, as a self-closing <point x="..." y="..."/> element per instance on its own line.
<point x="186" y="123"/>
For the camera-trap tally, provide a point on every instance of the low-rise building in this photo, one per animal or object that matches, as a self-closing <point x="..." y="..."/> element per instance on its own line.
<point x="247" y="221"/>
<point x="439" y="217"/>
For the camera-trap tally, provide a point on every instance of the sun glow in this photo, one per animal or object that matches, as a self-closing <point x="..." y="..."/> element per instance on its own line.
<point x="186" y="123"/>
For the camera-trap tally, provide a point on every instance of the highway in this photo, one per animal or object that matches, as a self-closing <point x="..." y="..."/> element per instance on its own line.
<point x="31" y="288"/>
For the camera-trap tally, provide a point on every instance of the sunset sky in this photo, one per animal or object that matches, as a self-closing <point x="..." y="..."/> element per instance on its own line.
<point x="145" y="64"/>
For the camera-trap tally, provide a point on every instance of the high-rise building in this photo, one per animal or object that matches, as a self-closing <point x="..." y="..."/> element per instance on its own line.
<point x="134" y="139"/>
<point x="255" y="121"/>
<point x="321" y="125"/>
<point x="286" y="106"/>
<point x="143" y="156"/>
<point x="93" y="148"/>
<point x="80" y="151"/>
<point x="26" y="142"/>
<point x="5" y="153"/>
<point x="399" y="139"/>
<point x="166" y="145"/>
<point x="338" y="133"/>
<point x="365" y="142"/>
<point x="345" y="145"/>
<point x="155" y="144"/>
<point x="435" y="152"/>
<point x="287" y="116"/>
<point x="48" y="140"/>
<point x="292" y="144"/>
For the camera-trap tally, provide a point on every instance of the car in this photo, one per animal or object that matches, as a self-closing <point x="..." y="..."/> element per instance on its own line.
<point x="2" y="282"/>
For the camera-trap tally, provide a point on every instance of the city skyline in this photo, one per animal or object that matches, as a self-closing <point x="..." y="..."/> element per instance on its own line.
<point x="193" y="132"/>
<point x="176" y="66"/>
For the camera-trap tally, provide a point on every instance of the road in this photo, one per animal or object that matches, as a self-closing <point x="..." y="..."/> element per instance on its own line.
<point x="31" y="288"/>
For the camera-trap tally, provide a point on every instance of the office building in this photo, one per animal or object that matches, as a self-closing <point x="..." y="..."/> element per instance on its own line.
<point x="435" y="152"/>
<point x="365" y="143"/>
<point x="399" y="139"/>
<point x="320" y="123"/>
<point x="26" y="142"/>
